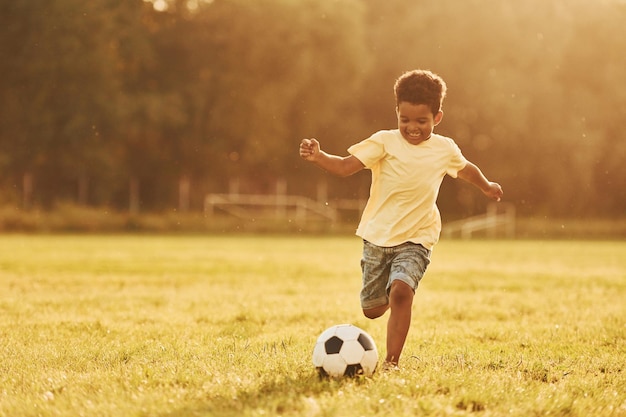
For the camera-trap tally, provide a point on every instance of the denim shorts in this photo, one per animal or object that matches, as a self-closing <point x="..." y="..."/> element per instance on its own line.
<point x="381" y="266"/>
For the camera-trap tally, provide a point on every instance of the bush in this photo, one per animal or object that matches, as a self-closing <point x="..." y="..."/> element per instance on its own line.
<point x="72" y="218"/>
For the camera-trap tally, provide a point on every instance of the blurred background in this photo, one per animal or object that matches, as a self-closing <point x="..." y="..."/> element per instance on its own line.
<point x="149" y="106"/>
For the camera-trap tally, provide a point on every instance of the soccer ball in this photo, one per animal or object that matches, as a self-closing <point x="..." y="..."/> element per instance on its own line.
<point x="345" y="350"/>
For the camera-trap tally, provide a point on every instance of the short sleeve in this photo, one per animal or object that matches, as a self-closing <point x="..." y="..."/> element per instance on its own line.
<point x="370" y="150"/>
<point x="457" y="161"/>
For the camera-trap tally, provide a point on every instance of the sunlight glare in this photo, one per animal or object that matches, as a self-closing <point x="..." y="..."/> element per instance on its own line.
<point x="160" y="5"/>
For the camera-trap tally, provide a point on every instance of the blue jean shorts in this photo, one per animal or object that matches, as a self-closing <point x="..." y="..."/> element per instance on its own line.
<point x="381" y="266"/>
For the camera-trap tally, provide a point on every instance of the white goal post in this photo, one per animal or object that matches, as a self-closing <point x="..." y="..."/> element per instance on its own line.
<point x="280" y="205"/>
<point x="498" y="220"/>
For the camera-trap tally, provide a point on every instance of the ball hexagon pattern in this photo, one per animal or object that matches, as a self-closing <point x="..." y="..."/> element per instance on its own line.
<point x="345" y="350"/>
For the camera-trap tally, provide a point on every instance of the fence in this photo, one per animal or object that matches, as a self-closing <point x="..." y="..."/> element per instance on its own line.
<point x="279" y="205"/>
<point x="499" y="220"/>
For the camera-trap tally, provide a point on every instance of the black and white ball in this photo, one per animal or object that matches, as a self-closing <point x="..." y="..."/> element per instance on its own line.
<point x="345" y="350"/>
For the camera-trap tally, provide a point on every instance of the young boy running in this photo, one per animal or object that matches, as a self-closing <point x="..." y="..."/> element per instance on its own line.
<point x="401" y="222"/>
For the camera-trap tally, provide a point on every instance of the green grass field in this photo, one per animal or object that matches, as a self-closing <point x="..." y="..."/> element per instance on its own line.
<point x="225" y="326"/>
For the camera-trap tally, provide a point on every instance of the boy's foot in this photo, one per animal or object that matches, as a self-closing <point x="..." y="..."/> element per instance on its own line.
<point x="389" y="367"/>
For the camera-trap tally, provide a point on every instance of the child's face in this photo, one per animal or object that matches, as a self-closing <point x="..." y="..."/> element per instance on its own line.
<point x="416" y="121"/>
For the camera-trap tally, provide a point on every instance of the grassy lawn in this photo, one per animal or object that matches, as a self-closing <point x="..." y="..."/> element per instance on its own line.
<point x="225" y="326"/>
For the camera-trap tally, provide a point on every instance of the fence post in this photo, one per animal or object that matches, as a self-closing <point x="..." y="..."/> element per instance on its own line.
<point x="281" y="198"/>
<point x="322" y="191"/>
<point x="184" y="188"/>
<point x="134" y="195"/>
<point x="27" y="190"/>
<point x="233" y="186"/>
<point x="492" y="220"/>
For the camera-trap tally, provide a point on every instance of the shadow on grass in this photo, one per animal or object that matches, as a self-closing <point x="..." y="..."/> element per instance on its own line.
<point x="292" y="395"/>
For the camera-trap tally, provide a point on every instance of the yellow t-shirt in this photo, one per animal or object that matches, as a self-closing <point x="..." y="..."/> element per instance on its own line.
<point x="402" y="206"/>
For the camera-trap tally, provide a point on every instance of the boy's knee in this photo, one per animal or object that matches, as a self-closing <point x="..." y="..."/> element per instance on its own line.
<point x="370" y="315"/>
<point x="401" y="292"/>
<point x="376" y="312"/>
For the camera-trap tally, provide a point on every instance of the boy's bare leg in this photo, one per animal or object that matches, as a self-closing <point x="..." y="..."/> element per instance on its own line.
<point x="400" y="304"/>
<point x="376" y="312"/>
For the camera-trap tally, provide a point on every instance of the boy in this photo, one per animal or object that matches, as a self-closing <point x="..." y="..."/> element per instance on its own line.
<point x="401" y="222"/>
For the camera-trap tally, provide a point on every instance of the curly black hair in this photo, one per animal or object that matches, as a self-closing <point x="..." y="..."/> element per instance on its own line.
<point x="421" y="87"/>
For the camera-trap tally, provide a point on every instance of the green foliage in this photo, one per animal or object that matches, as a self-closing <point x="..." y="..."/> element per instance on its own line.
<point x="225" y="326"/>
<point x="72" y="218"/>
<point x="95" y="94"/>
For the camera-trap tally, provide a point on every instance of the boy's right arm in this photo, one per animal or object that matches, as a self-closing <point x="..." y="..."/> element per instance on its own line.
<point x="337" y="165"/>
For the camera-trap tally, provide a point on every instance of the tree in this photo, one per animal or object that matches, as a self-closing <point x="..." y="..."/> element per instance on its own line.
<point x="273" y="69"/>
<point x="105" y="96"/>
<point x="60" y="90"/>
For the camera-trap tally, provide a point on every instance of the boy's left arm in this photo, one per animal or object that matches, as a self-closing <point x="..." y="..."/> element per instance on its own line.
<point x="472" y="174"/>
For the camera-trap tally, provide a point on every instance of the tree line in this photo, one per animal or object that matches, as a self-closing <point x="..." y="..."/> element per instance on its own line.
<point x="131" y="106"/>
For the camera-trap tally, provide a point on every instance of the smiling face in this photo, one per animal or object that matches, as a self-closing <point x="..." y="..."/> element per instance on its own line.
<point x="416" y="122"/>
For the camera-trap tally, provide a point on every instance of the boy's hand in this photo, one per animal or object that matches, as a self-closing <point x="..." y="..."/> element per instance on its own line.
<point x="494" y="191"/>
<point x="309" y="149"/>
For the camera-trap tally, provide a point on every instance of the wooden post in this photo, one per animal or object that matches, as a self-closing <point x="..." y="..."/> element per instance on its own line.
<point x="184" y="187"/>
<point x="492" y="220"/>
<point x="510" y="220"/>
<point x="27" y="190"/>
<point x="233" y="186"/>
<point x="281" y="198"/>
<point x="322" y="192"/>
<point x="83" y="189"/>
<point x="134" y="195"/>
